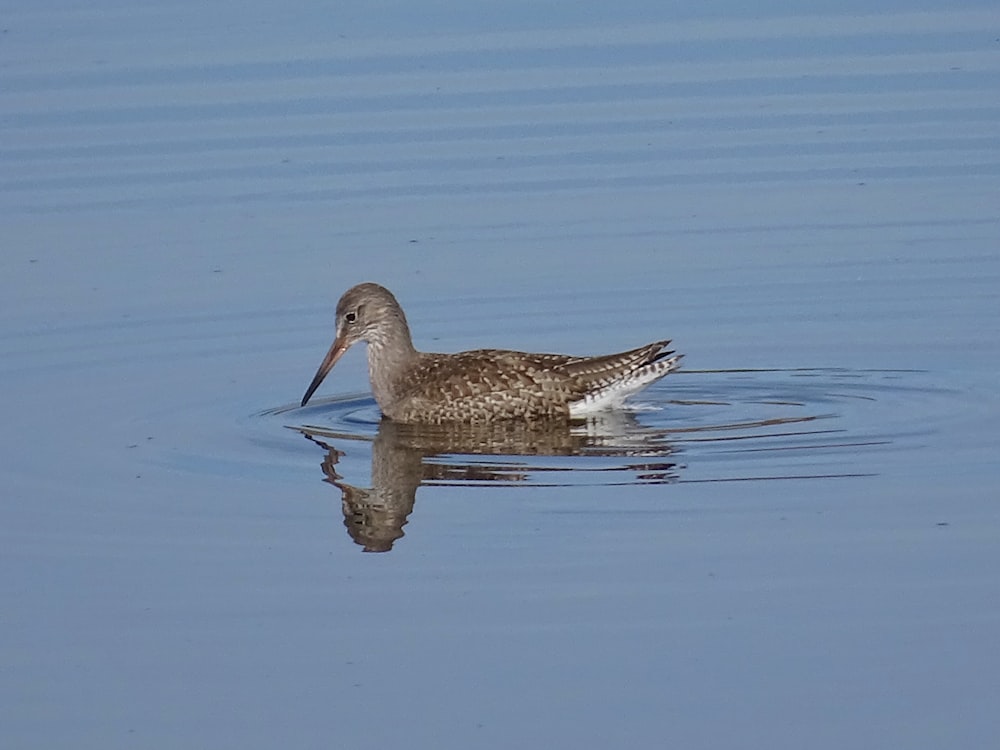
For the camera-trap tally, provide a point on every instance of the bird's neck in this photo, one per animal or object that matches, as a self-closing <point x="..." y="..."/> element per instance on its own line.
<point x="390" y="356"/>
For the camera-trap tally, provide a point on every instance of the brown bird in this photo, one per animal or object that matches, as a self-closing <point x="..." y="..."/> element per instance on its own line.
<point x="481" y="385"/>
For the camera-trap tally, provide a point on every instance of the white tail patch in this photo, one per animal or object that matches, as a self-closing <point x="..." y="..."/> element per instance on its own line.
<point x="614" y="394"/>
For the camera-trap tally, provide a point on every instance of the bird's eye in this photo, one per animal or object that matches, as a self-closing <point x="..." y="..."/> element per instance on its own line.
<point x="351" y="317"/>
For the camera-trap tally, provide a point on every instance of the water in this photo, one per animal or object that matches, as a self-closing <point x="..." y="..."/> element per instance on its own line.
<point x="791" y="542"/>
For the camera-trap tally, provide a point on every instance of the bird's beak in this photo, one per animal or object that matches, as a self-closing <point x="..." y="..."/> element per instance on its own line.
<point x="339" y="346"/>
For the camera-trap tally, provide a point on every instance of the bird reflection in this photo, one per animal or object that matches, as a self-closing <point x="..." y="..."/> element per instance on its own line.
<point x="406" y="456"/>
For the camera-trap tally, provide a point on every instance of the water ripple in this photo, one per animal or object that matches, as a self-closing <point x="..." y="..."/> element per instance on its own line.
<point x="616" y="107"/>
<point x="734" y="425"/>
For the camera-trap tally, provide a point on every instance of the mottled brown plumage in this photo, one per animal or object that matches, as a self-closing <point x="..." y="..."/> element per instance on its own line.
<point x="481" y="385"/>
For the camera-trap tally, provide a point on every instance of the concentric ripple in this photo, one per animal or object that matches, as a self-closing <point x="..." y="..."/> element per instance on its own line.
<point x="708" y="425"/>
<point x="696" y="426"/>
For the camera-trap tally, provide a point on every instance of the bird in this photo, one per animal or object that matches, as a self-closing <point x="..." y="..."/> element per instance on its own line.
<point x="482" y="385"/>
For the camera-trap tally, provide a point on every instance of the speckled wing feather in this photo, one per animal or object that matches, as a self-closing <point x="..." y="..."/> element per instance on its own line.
<point x="490" y="383"/>
<point x="602" y="382"/>
<point x="589" y="373"/>
<point x="484" y="384"/>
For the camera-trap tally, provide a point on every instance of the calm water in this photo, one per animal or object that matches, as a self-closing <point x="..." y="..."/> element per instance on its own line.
<point x="793" y="542"/>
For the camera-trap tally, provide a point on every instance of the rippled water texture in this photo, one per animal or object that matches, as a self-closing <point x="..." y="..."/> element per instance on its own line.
<point x="734" y="426"/>
<point x="749" y="417"/>
<point x="792" y="542"/>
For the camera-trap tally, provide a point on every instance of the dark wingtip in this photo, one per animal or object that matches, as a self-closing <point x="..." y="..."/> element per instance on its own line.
<point x="663" y="352"/>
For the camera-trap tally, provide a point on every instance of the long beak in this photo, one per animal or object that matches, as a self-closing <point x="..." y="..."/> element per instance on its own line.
<point x="338" y="348"/>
